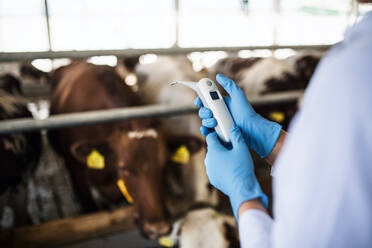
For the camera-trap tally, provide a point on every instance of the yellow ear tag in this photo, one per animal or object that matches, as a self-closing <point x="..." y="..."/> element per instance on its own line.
<point x="95" y="160"/>
<point x="277" y="116"/>
<point x="124" y="190"/>
<point x="166" y="241"/>
<point x="181" y="155"/>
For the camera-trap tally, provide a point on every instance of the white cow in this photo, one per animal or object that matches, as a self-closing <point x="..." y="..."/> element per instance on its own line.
<point x="203" y="228"/>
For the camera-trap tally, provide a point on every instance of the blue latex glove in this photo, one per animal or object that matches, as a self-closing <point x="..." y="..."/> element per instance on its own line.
<point x="259" y="133"/>
<point x="232" y="171"/>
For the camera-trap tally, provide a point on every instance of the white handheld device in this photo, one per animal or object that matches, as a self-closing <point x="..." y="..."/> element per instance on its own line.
<point x="212" y="99"/>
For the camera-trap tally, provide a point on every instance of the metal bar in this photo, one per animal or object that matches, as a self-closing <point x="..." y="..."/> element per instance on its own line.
<point x="93" y="117"/>
<point x="112" y="115"/>
<point x="277" y="98"/>
<point x="46" y="8"/>
<point x="67" y="231"/>
<point x="19" y="56"/>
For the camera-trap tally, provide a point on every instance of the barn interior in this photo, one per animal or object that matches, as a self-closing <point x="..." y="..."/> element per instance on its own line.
<point x="97" y="150"/>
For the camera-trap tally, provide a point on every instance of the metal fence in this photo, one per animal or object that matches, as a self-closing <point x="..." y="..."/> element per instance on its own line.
<point x="112" y="115"/>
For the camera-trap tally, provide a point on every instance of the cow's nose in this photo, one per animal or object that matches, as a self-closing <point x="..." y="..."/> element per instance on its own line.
<point x="154" y="230"/>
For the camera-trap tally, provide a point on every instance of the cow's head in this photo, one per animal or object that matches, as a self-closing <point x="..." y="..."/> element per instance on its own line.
<point x="30" y="74"/>
<point x="305" y="67"/>
<point x="134" y="162"/>
<point x="10" y="84"/>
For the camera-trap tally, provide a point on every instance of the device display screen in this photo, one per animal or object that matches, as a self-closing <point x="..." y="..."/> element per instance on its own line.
<point x="214" y="95"/>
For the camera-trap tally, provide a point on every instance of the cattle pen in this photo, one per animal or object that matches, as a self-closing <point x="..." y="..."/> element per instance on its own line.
<point x="84" y="156"/>
<point x="83" y="228"/>
<point x="71" y="230"/>
<point x="66" y="231"/>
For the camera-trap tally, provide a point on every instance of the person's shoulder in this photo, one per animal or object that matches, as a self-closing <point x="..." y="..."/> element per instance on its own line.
<point x="342" y="78"/>
<point x="356" y="48"/>
<point x="348" y="63"/>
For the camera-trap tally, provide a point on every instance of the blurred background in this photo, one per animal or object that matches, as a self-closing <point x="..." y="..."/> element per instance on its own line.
<point x="271" y="48"/>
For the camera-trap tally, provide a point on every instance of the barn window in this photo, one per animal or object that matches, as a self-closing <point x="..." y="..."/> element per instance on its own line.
<point x="111" y="24"/>
<point x="121" y="24"/>
<point x="313" y="22"/>
<point x="225" y="23"/>
<point x="22" y="26"/>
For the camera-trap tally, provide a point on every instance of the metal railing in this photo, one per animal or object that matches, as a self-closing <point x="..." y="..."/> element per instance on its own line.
<point x="19" y="56"/>
<point x="120" y="114"/>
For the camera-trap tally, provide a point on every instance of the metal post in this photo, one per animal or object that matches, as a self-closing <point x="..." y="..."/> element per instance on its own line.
<point x="46" y="8"/>
<point x="177" y="12"/>
<point x="276" y="25"/>
<point x="120" y="114"/>
<point x="357" y="10"/>
<point x="352" y="14"/>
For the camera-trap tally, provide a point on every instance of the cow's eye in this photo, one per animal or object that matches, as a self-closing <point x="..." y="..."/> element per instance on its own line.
<point x="126" y="171"/>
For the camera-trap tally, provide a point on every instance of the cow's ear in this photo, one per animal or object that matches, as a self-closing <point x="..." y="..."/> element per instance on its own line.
<point x="80" y="151"/>
<point x="89" y="154"/>
<point x="131" y="62"/>
<point x="192" y="143"/>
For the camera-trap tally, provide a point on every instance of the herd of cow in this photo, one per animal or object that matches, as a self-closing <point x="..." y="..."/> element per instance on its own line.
<point x="154" y="164"/>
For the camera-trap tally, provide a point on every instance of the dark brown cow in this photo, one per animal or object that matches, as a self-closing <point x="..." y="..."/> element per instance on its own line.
<point x="19" y="152"/>
<point x="10" y="84"/>
<point x="134" y="151"/>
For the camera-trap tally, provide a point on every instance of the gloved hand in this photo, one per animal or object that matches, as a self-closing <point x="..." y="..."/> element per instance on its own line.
<point x="232" y="171"/>
<point x="259" y="133"/>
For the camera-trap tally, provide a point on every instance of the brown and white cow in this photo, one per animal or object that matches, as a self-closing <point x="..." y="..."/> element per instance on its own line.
<point x="153" y="87"/>
<point x="126" y="157"/>
<point x="261" y="76"/>
<point x="25" y="71"/>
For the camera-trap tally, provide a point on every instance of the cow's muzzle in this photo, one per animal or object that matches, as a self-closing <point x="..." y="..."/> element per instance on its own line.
<point x="156" y="229"/>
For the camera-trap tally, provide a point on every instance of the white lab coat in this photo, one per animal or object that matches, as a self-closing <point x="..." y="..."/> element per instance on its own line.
<point x="323" y="176"/>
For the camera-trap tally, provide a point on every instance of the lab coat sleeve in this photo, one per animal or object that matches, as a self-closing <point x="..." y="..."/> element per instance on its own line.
<point x="255" y="229"/>
<point x="323" y="176"/>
